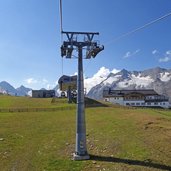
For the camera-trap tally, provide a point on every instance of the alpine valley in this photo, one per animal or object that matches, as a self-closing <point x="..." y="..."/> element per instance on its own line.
<point x="157" y="78"/>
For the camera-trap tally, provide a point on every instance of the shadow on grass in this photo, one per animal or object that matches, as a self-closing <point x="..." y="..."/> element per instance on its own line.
<point x="93" y="103"/>
<point x="131" y="162"/>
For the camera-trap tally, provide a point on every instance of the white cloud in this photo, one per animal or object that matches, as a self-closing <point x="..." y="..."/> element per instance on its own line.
<point x="167" y="57"/>
<point x="103" y="72"/>
<point x="31" y="81"/>
<point x="45" y="81"/>
<point x="56" y="82"/>
<point x="137" y="51"/>
<point x="154" y="52"/>
<point x="127" y="55"/>
<point x="130" y="54"/>
<point x="39" y="83"/>
<point x="97" y="78"/>
<point x="48" y="86"/>
<point x="114" y="71"/>
<point x="35" y="81"/>
<point x="168" y="52"/>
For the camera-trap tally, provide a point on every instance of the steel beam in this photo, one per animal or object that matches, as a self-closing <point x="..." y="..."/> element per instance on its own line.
<point x="80" y="148"/>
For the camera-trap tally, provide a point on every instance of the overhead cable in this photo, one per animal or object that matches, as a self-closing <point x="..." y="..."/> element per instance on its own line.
<point x="60" y="10"/>
<point x="61" y="29"/>
<point x="139" y="28"/>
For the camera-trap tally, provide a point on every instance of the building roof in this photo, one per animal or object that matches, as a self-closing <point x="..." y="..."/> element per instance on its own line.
<point x="121" y="93"/>
<point x="43" y="91"/>
<point x="66" y="79"/>
<point x="65" y="82"/>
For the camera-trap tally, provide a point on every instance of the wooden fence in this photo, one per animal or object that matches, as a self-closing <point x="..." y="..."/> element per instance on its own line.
<point x="8" y="110"/>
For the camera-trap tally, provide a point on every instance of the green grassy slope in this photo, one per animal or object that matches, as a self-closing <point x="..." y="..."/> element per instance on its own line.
<point x="28" y="102"/>
<point x="117" y="138"/>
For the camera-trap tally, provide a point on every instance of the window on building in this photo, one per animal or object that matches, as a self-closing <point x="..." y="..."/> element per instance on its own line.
<point x="143" y="104"/>
<point x="148" y="103"/>
<point x="137" y="104"/>
<point x="127" y="104"/>
<point x="132" y="104"/>
<point x="155" y="103"/>
<point x="163" y="103"/>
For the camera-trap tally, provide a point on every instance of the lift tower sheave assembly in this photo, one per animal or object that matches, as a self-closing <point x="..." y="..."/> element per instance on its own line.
<point x="92" y="49"/>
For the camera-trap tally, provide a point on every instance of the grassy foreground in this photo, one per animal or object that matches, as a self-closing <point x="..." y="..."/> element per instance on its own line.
<point x="117" y="138"/>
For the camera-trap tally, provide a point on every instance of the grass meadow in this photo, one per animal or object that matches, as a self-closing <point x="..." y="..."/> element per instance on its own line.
<point x="118" y="138"/>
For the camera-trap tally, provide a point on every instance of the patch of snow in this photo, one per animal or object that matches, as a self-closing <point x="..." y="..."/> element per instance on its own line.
<point x="165" y="76"/>
<point x="114" y="71"/>
<point x="142" y="81"/>
<point x="124" y="84"/>
<point x="110" y="80"/>
<point x="139" y="81"/>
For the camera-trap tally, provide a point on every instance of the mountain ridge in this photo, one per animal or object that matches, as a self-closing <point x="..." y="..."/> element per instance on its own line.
<point x="7" y="88"/>
<point x="157" y="78"/>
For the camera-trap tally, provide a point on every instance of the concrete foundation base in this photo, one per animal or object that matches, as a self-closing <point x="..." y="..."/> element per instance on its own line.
<point x="78" y="157"/>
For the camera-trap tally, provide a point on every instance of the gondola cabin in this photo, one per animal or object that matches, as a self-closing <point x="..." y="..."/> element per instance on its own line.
<point x="67" y="82"/>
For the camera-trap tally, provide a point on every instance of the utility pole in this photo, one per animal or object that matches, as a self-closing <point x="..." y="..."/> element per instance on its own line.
<point x="92" y="49"/>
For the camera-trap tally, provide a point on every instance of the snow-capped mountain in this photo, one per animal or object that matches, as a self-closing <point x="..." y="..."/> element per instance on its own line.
<point x="157" y="78"/>
<point x="97" y="78"/>
<point x="23" y="91"/>
<point x="7" y="88"/>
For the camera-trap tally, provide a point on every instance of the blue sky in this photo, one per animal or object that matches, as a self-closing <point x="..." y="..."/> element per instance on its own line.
<point x="30" y="37"/>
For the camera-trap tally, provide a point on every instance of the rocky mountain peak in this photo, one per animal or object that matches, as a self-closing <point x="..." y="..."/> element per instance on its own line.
<point x="124" y="73"/>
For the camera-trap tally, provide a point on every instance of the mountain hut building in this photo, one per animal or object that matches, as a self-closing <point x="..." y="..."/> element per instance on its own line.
<point x="43" y="93"/>
<point x="136" y="98"/>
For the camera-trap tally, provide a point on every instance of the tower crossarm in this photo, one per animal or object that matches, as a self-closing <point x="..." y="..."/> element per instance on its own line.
<point x="89" y="35"/>
<point x="79" y="44"/>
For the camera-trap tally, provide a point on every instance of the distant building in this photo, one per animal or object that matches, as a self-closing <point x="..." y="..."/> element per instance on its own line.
<point x="138" y="98"/>
<point x="43" y="93"/>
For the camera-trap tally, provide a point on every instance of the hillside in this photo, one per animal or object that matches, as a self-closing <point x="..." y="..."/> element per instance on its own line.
<point x="117" y="138"/>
